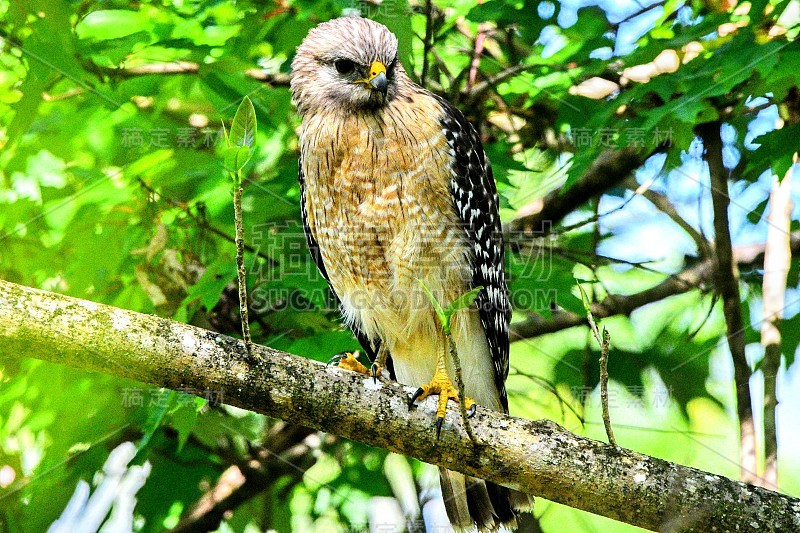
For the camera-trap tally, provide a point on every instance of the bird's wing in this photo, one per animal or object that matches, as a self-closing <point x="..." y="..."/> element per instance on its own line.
<point x="370" y="348"/>
<point x="476" y="201"/>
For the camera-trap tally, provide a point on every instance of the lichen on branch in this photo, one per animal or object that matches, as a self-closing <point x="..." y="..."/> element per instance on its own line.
<point x="538" y="457"/>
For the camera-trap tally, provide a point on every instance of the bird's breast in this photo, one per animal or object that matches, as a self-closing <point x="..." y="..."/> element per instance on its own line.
<point x="378" y="203"/>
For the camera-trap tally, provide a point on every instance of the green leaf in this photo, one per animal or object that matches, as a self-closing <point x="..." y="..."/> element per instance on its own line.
<point x="209" y="287"/>
<point x="241" y="138"/>
<point x="156" y="416"/>
<point x="463" y="302"/>
<point x="183" y="419"/>
<point x="237" y="157"/>
<point x="444" y="318"/>
<point x="321" y="346"/>
<point x="243" y="128"/>
<point x="584" y="297"/>
<point x="225" y="134"/>
<point x="112" y="24"/>
<point x="775" y="152"/>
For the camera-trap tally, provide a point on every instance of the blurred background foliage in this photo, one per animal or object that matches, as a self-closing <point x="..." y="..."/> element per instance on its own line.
<point x="112" y="188"/>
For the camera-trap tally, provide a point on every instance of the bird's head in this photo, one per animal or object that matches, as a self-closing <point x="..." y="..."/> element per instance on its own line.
<point x="348" y="63"/>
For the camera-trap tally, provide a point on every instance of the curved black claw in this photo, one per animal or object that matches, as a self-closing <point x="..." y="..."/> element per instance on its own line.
<point x="336" y="358"/>
<point x="420" y="392"/>
<point x="472" y="410"/>
<point x="374" y="371"/>
<point x="439" y="421"/>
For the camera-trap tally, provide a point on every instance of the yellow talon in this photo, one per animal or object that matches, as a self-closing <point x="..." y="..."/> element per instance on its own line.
<point x="350" y="362"/>
<point x="441" y="385"/>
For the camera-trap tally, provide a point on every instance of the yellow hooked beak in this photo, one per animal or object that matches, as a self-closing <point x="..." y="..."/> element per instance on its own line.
<point x="377" y="77"/>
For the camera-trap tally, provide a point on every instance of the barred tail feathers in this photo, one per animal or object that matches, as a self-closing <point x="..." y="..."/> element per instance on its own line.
<point x="472" y="502"/>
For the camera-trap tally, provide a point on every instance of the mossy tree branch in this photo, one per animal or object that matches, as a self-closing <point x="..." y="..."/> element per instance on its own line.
<point x="538" y="457"/>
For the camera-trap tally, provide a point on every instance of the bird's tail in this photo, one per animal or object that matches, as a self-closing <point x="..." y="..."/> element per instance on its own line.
<point x="472" y="502"/>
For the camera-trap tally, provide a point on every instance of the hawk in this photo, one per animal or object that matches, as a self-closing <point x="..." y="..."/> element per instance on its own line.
<point x="397" y="192"/>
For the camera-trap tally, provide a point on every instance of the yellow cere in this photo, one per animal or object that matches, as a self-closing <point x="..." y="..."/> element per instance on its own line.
<point x="375" y="69"/>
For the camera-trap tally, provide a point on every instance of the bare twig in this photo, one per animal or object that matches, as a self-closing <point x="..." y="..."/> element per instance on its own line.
<point x="427" y="42"/>
<point x="777" y="260"/>
<point x="476" y="90"/>
<point x="699" y="276"/>
<point x="604" y="340"/>
<point x="174" y="67"/>
<point x="604" y="345"/>
<point x="663" y="204"/>
<point x="609" y="169"/>
<point x="239" y="150"/>
<point x="462" y="394"/>
<point x="441" y="65"/>
<point x="483" y="27"/>
<point x="278" y="79"/>
<point x="642" y="11"/>
<point x="549" y="386"/>
<point x="202" y="222"/>
<point x="285" y="451"/>
<point x="241" y="272"/>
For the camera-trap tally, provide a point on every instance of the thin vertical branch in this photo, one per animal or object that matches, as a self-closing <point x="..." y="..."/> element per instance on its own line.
<point x="480" y="38"/>
<point x="604" y="340"/>
<point x="240" y="148"/>
<point x="427" y="43"/>
<point x="777" y="258"/>
<point x="240" y="269"/>
<point x="604" y="386"/>
<point x="727" y="284"/>
<point x="462" y="395"/>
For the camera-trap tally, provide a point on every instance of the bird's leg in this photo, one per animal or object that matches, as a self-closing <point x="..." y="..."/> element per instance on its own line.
<point x="440" y="384"/>
<point x="380" y="363"/>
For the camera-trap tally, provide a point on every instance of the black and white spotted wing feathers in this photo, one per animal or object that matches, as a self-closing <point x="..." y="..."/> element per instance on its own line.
<point x="475" y="197"/>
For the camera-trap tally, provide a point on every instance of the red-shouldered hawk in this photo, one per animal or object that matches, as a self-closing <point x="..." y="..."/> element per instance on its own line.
<point x="397" y="190"/>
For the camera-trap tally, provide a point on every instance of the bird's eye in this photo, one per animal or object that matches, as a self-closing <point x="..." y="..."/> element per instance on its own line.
<point x="344" y="66"/>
